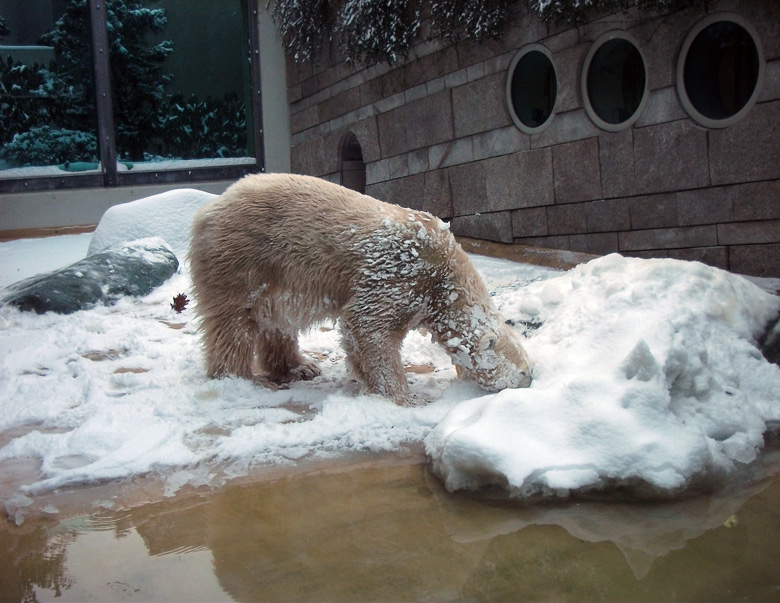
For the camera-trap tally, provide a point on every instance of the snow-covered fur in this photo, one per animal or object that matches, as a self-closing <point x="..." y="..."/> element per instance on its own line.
<point x="278" y="253"/>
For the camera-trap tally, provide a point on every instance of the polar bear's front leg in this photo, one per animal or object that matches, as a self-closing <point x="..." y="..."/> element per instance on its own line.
<point x="278" y="354"/>
<point x="374" y="355"/>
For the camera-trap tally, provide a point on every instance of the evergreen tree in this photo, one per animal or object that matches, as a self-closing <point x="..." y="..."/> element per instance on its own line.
<point x="137" y="79"/>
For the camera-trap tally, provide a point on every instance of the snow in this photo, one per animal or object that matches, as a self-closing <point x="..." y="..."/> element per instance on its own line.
<point x="166" y="215"/>
<point x="646" y="375"/>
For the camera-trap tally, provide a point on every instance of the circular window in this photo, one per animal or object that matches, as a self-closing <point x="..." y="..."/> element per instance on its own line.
<point x="614" y="86"/>
<point x="720" y="70"/>
<point x="531" y="88"/>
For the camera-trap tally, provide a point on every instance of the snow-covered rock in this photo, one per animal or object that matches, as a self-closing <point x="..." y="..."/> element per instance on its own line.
<point x="167" y="215"/>
<point x="136" y="268"/>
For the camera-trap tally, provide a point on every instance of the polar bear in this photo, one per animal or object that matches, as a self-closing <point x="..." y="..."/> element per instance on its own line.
<point x="277" y="253"/>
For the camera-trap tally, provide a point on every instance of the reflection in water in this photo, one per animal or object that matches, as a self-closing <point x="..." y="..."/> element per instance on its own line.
<point x="389" y="531"/>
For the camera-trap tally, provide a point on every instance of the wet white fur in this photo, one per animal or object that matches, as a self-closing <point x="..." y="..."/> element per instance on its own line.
<point x="278" y="253"/>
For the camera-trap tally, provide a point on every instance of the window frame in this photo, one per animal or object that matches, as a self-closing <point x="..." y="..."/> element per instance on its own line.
<point x="108" y="175"/>
<point x="615" y="34"/>
<point x="682" y="93"/>
<point x="527" y="49"/>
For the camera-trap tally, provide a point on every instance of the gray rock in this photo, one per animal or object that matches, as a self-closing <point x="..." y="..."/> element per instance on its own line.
<point x="134" y="268"/>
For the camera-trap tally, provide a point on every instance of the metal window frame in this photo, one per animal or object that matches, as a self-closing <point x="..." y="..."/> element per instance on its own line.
<point x="109" y="176"/>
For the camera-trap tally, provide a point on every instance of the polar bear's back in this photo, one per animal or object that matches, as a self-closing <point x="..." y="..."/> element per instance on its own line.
<point x="306" y="238"/>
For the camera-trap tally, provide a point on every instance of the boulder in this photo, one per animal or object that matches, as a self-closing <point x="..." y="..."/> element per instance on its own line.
<point x="135" y="268"/>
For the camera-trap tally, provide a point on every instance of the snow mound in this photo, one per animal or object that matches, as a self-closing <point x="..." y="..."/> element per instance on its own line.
<point x="167" y="215"/>
<point x="646" y="376"/>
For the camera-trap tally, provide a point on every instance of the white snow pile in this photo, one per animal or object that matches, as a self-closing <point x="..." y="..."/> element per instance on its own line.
<point x="167" y="215"/>
<point x="646" y="375"/>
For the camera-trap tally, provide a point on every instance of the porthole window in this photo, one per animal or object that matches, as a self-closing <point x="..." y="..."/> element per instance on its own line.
<point x="531" y="88"/>
<point x="720" y="70"/>
<point x="614" y="83"/>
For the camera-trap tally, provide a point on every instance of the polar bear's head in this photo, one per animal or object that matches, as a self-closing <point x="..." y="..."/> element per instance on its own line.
<point x="496" y="360"/>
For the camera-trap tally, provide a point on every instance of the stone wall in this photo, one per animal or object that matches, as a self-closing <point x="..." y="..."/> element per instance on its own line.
<point x="436" y="134"/>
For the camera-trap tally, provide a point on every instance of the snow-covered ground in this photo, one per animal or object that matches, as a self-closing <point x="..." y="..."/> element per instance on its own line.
<point x="646" y="374"/>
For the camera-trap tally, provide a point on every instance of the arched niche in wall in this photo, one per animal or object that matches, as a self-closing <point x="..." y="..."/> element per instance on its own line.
<point x="351" y="164"/>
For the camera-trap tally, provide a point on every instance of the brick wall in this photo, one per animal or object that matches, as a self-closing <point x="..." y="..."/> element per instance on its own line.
<point x="436" y="135"/>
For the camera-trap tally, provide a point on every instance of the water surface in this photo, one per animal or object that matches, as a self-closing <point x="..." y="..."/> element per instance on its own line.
<point x="387" y="530"/>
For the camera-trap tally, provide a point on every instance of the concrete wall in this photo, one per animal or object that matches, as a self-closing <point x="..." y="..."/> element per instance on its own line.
<point x="436" y="134"/>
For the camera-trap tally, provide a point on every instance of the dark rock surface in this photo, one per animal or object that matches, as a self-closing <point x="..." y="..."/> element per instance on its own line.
<point x="134" y="268"/>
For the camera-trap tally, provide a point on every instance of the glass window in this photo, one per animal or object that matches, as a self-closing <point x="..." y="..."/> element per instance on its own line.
<point x="614" y="86"/>
<point x="172" y="92"/>
<point x="720" y="70"/>
<point x="531" y="88"/>
<point x="47" y="93"/>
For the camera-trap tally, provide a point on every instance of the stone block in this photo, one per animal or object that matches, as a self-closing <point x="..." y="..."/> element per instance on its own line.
<point x="371" y="91"/>
<point x="568" y="69"/>
<point x="437" y="195"/>
<point x="755" y="260"/>
<point x="393" y="82"/>
<point x="757" y="201"/>
<point x="567" y="219"/>
<point x="398" y="167"/>
<point x="660" y="39"/>
<point x="502" y="141"/>
<point x="556" y="242"/>
<point x="705" y="206"/>
<point x="616" y="155"/>
<point x="602" y="243"/>
<point x="771" y="89"/>
<point x="340" y="104"/>
<point x="529" y="222"/>
<point x="469" y="193"/>
<point x="316" y="157"/>
<point x="670" y="156"/>
<point x="608" y="215"/>
<point x="392" y="132"/>
<point x="431" y="66"/>
<point x="749" y="150"/>
<point x="653" y="211"/>
<point x="377" y="171"/>
<point x="480" y="105"/>
<point x="489" y="227"/>
<point x="662" y="106"/>
<point x="454" y="152"/>
<point x="418" y="161"/>
<point x="406" y="192"/>
<point x="712" y="256"/>
<point x="471" y="53"/>
<point x="456" y="78"/>
<point x="367" y="134"/>
<point x="415" y="93"/>
<point x="749" y="233"/>
<point x="428" y="121"/>
<point x="520" y="180"/>
<point x="565" y="127"/>
<point x="668" y="238"/>
<point x="303" y="120"/>
<point x="389" y="103"/>
<point x="475" y="72"/>
<point x="577" y="171"/>
<point x="763" y="16"/>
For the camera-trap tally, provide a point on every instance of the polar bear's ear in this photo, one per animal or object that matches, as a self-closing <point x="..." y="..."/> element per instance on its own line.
<point x="488" y="342"/>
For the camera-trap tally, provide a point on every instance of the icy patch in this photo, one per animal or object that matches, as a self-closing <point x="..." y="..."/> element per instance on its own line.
<point x="646" y="374"/>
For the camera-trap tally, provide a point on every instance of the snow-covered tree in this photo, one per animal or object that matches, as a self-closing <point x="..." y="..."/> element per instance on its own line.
<point x="373" y="31"/>
<point x="137" y="78"/>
